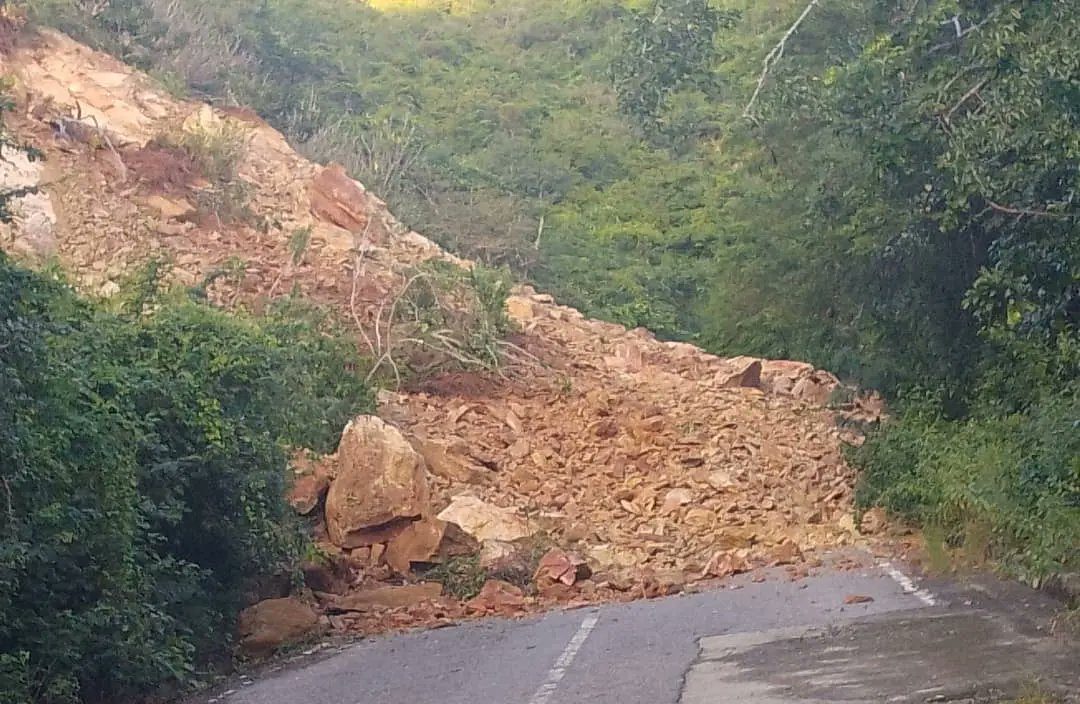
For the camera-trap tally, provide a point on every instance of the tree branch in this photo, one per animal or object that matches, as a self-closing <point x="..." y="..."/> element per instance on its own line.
<point x="1026" y="211"/>
<point x="774" y="55"/>
<point x="960" y="34"/>
<point x="964" y="98"/>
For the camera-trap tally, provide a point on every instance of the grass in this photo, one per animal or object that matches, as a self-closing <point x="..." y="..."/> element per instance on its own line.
<point x="462" y="577"/>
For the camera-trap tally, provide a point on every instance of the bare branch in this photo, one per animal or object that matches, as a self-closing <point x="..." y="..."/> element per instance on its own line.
<point x="1031" y="213"/>
<point x="774" y="55"/>
<point x="965" y="97"/>
<point x="960" y="34"/>
<point x="539" y="233"/>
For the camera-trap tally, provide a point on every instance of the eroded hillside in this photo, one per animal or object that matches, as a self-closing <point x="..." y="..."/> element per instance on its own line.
<point x="655" y="464"/>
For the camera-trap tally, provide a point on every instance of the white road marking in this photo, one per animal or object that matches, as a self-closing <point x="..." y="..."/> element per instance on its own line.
<point x="558" y="670"/>
<point x="907" y="585"/>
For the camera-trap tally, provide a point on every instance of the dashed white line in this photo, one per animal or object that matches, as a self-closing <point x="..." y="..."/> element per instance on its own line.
<point x="907" y="585"/>
<point x="558" y="670"/>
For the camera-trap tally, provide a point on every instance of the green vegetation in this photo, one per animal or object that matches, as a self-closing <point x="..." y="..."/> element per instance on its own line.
<point x="216" y="150"/>
<point x="462" y="577"/>
<point x="144" y="468"/>
<point x="998" y="486"/>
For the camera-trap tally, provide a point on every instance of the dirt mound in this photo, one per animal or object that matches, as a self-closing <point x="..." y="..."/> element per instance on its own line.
<point x="161" y="167"/>
<point x="649" y="465"/>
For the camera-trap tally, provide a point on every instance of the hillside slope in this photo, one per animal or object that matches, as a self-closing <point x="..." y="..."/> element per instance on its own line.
<point x="658" y="463"/>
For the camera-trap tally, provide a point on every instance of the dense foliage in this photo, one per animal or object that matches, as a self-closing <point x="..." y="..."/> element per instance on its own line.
<point x="898" y="204"/>
<point x="143" y="475"/>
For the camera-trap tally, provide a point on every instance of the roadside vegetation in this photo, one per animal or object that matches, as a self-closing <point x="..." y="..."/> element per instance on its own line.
<point x="144" y="471"/>
<point x="143" y="447"/>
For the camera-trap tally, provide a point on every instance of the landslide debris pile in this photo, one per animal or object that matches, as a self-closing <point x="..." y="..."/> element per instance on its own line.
<point x="601" y="464"/>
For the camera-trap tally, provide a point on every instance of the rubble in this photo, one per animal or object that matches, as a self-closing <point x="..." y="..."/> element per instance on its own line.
<point x="561" y="566"/>
<point x="385" y="598"/>
<point x="497" y="596"/>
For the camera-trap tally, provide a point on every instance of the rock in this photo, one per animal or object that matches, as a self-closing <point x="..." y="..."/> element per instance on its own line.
<point x="496" y="552"/>
<point x="428" y="540"/>
<point x="270" y="624"/>
<point x="748" y="375"/>
<point x="786" y="554"/>
<point x="560" y="566"/>
<point x="720" y="479"/>
<point x="520" y="449"/>
<point x="484" y="521"/>
<point x="170" y="208"/>
<point x="815" y="388"/>
<point x="381" y="485"/>
<point x="382" y="598"/>
<point x="662" y="583"/>
<point x="499" y="596"/>
<point x="169" y="229"/>
<point x="520" y="309"/>
<point x="577" y="531"/>
<point x="338" y="199"/>
<point x="873" y="521"/>
<point x="734" y="537"/>
<point x="727" y="563"/>
<point x="450" y="460"/>
<point x="609" y="557"/>
<point x="780" y="375"/>
<point x="320" y="577"/>
<point x="34" y="217"/>
<point x="306" y="492"/>
<point x="675" y="499"/>
<point x="700" y="517"/>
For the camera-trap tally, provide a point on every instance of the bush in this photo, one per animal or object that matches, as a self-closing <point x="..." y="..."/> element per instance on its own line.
<point x="1002" y="487"/>
<point x="143" y="471"/>
<point x="217" y="150"/>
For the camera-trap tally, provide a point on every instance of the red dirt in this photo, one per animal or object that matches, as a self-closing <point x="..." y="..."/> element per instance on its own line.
<point x="461" y="385"/>
<point x="161" y="167"/>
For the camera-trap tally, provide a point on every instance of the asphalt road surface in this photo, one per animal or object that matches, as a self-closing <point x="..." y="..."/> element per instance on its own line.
<point x="772" y="642"/>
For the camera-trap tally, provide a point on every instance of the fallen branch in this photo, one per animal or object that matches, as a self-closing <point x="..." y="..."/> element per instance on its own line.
<point x="774" y="55"/>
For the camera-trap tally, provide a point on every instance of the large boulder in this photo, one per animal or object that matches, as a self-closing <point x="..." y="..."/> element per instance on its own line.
<point x="340" y="200"/>
<point x="270" y="624"/>
<point x="380" y="488"/>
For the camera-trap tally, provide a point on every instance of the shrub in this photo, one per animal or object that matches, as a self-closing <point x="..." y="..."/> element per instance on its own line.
<point x="217" y="149"/>
<point x="143" y="470"/>
<point x="1006" y="487"/>
<point x="449" y="317"/>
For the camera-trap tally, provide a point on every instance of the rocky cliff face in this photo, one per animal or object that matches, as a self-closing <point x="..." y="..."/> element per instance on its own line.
<point x="648" y="465"/>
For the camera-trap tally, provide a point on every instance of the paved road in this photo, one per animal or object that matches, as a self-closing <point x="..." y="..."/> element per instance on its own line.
<point x="764" y="643"/>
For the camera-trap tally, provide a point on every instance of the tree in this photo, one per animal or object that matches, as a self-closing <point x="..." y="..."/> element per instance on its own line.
<point x="668" y="47"/>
